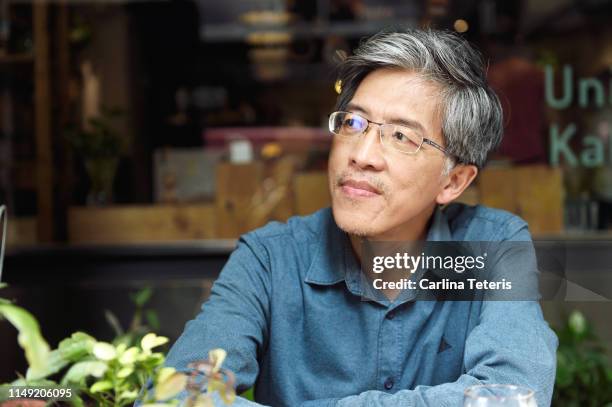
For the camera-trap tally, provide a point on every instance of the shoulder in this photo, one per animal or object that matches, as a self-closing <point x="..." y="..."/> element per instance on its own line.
<point x="299" y="228"/>
<point x="287" y="248"/>
<point x="297" y="232"/>
<point x="479" y="222"/>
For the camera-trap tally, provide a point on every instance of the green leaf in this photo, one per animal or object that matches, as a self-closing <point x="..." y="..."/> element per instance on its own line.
<point x="79" y="371"/>
<point x="55" y="362"/>
<point x="129" y="356"/>
<point x="100" y="386"/>
<point x="152" y="319"/>
<point x="128" y="395"/>
<point x="76" y="400"/>
<point x="150" y="341"/>
<point x="152" y="360"/>
<point x="164" y="373"/>
<point x="125" y="372"/>
<point x="582" y="366"/>
<point x="30" y="339"/>
<point x="78" y="346"/>
<point x="125" y="339"/>
<point x="216" y="357"/>
<point x="120" y="348"/>
<point x="565" y="368"/>
<point x="248" y="394"/>
<point x="113" y="321"/>
<point x="141" y="297"/>
<point x="104" y="351"/>
<point x="577" y="323"/>
<point x="608" y="370"/>
<point x="34" y="383"/>
<point x="170" y="387"/>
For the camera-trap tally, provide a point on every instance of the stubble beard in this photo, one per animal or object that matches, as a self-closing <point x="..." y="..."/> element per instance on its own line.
<point x="349" y="227"/>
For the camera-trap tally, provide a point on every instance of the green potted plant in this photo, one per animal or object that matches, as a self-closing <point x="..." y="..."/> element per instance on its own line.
<point x="584" y="374"/>
<point x="100" y="145"/>
<point x="112" y="374"/>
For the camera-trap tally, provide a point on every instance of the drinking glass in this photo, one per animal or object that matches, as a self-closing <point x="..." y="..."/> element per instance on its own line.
<point x="498" y="395"/>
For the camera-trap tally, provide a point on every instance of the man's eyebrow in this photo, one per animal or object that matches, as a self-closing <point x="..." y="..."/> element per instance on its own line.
<point x="413" y="124"/>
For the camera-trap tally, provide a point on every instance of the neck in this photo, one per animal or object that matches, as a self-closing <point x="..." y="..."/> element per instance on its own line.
<point x="413" y="230"/>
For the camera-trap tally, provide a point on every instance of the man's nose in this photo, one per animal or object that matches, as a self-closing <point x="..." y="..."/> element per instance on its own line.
<point x="367" y="151"/>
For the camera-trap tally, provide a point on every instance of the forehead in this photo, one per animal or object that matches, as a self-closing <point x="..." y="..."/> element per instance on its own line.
<point x="388" y="95"/>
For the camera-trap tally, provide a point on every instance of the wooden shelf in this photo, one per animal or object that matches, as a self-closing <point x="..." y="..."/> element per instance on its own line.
<point x="119" y="224"/>
<point x="171" y="248"/>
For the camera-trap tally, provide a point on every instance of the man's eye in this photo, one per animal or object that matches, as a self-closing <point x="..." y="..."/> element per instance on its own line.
<point x="352" y="123"/>
<point x="402" y="138"/>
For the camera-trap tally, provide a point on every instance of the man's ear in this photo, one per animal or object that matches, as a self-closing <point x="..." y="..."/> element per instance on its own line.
<point x="456" y="182"/>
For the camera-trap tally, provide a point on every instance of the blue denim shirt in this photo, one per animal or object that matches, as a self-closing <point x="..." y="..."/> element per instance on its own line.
<point x="289" y="312"/>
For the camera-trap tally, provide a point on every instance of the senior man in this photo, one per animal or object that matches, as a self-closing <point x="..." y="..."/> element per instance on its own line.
<point x="414" y="122"/>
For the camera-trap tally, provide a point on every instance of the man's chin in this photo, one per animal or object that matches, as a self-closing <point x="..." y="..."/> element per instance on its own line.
<point x="354" y="223"/>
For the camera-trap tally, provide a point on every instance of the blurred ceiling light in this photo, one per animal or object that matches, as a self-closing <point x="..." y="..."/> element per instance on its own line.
<point x="266" y="17"/>
<point x="338" y="86"/>
<point x="461" y="26"/>
<point x="268" y="38"/>
<point x="268" y="54"/>
<point x="271" y="150"/>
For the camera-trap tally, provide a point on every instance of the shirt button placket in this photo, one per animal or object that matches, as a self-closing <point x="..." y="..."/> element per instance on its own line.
<point x="388" y="362"/>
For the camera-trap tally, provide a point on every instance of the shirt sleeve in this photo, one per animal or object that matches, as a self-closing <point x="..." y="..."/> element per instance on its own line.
<point x="511" y="344"/>
<point x="235" y="317"/>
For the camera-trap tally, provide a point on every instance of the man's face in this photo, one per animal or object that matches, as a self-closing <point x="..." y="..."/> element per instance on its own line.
<point x="377" y="191"/>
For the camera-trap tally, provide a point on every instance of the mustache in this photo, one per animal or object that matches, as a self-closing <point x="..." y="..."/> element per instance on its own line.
<point x="376" y="183"/>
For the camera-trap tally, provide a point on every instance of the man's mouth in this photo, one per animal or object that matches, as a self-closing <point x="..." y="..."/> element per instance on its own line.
<point x="362" y="189"/>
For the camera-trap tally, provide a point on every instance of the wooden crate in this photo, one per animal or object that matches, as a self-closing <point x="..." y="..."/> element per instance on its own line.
<point x="541" y="198"/>
<point x="237" y="186"/>
<point x="534" y="192"/>
<point x="497" y="188"/>
<point x="21" y="231"/>
<point x="311" y="192"/>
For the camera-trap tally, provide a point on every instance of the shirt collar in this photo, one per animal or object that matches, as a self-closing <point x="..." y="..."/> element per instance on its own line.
<point x="439" y="231"/>
<point x="334" y="258"/>
<point x="327" y="266"/>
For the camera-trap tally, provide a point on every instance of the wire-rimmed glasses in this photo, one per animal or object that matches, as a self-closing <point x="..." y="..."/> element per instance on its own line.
<point x="401" y="138"/>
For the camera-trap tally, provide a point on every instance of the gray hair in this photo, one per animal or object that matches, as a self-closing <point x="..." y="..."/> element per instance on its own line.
<point x="470" y="110"/>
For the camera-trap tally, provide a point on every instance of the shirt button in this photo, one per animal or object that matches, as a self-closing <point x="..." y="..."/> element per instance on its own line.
<point x="389" y="383"/>
<point x="390" y="315"/>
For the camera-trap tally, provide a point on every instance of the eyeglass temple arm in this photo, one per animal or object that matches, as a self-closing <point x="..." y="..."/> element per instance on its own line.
<point x="436" y="145"/>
